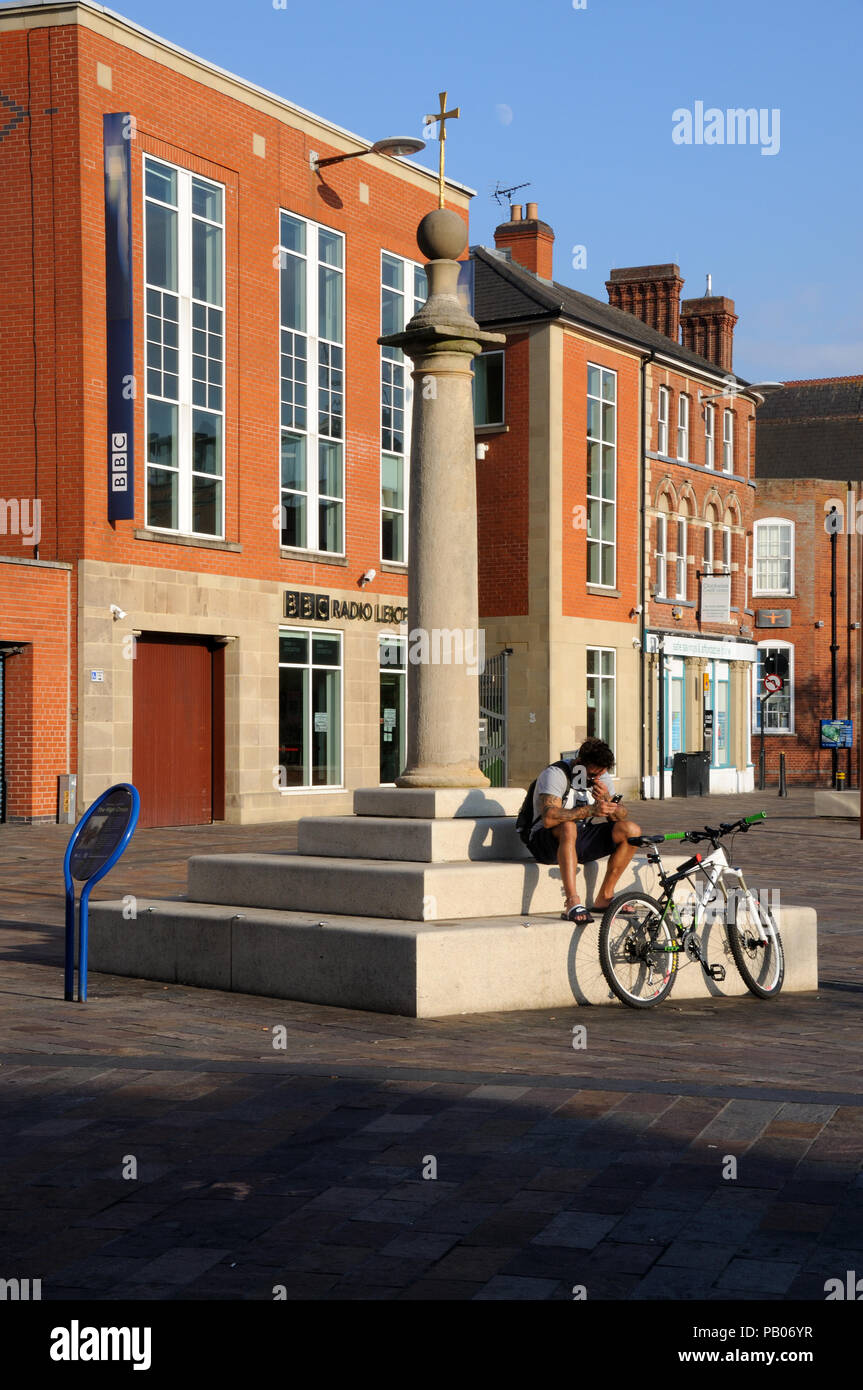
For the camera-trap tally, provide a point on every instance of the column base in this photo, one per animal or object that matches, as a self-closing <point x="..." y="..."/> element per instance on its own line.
<point x="456" y="775"/>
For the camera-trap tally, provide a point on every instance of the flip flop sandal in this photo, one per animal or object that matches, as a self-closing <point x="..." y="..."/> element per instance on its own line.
<point x="577" y="914"/>
<point x="628" y="909"/>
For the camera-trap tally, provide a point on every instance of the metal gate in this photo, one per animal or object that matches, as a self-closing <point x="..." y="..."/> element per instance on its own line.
<point x="493" y="708"/>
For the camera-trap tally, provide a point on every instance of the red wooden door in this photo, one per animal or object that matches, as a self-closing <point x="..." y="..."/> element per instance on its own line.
<point x="172" y="744"/>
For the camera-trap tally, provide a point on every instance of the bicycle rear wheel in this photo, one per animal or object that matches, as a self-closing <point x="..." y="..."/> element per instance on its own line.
<point x="756" y="946"/>
<point x="637" y="950"/>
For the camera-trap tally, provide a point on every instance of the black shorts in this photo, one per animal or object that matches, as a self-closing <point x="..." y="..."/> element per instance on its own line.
<point x="593" y="840"/>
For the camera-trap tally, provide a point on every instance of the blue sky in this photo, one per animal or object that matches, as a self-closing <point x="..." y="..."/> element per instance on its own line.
<point x="580" y="103"/>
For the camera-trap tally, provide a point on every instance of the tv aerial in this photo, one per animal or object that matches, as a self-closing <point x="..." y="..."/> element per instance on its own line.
<point x="504" y="195"/>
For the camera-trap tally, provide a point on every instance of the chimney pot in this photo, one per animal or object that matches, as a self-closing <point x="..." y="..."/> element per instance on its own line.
<point x="529" y="241"/>
<point x="515" y="212"/>
<point x="531" y="212"/>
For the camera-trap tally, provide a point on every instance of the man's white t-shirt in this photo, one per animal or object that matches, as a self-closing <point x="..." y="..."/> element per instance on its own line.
<point x="552" y="782"/>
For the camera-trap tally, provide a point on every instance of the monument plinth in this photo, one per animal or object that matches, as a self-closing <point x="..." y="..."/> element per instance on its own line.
<point x="442" y="340"/>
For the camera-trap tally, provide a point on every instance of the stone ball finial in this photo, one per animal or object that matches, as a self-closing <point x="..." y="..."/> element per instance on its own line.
<point x="442" y="235"/>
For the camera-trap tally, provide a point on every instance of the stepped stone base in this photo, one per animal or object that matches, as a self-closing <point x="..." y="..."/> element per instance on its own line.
<point x="437" y="803"/>
<point x="410" y="838"/>
<point x="423" y="970"/>
<point x="835" y="803"/>
<point x="410" y="891"/>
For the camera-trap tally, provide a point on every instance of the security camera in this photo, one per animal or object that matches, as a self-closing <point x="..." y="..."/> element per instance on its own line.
<point x="368" y="576"/>
<point x="118" y="612"/>
<point x="636" y="642"/>
<point x="634" y="612"/>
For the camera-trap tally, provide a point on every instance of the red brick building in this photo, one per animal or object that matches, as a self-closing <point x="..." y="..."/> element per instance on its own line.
<point x="809" y="469"/>
<point x="232" y="642"/>
<point x="615" y="499"/>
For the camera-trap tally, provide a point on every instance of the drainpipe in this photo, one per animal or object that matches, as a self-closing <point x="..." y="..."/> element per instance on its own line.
<point x="643" y="580"/>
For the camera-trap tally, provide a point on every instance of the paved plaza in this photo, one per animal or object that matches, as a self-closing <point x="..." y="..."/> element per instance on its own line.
<point x="478" y="1157"/>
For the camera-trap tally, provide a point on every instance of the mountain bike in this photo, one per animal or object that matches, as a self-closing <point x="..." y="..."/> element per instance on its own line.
<point x="642" y="939"/>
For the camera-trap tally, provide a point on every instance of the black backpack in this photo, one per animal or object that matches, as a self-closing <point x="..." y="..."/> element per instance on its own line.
<point x="525" y="818"/>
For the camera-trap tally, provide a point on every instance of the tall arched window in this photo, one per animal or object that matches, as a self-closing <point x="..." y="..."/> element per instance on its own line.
<point x="709" y="417"/>
<point x="775" y="658"/>
<point x="683" y="428"/>
<point x="662" y="421"/>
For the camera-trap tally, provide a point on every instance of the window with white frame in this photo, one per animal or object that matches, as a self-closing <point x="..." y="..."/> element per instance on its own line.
<point x="311" y="354"/>
<point x="600" y="693"/>
<point x="403" y="291"/>
<point x="661" y="554"/>
<point x="683" y="427"/>
<point x="773" y="556"/>
<point x="707" y="565"/>
<point x="310" y="708"/>
<point x="726" y="549"/>
<point x="601" y="475"/>
<point x="662" y="421"/>
<point x="680" y="567"/>
<point x="728" y="441"/>
<point x="488" y="374"/>
<point x="184" y="224"/>
<point x="709" y="416"/>
<point x="774" y="659"/>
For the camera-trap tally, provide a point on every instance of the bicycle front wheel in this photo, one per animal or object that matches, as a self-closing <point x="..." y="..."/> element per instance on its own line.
<point x="637" y="950"/>
<point x="756" y="946"/>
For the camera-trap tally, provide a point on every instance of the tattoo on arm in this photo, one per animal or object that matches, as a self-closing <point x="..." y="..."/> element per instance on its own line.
<point x="553" y="812"/>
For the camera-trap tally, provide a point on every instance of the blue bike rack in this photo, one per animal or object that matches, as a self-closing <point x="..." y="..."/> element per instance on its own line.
<point x="97" y="842"/>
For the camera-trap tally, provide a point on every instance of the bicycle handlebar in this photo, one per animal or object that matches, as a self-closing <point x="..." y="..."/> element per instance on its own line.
<point x="708" y="833"/>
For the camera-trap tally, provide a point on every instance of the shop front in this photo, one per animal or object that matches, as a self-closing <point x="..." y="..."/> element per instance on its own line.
<point x="697" y="701"/>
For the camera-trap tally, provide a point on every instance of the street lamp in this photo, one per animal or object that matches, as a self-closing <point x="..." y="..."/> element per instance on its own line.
<point x="395" y="145"/>
<point x="735" y="388"/>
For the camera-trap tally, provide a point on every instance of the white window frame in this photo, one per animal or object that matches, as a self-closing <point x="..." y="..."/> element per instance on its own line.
<point x="709" y="439"/>
<point x="707" y="560"/>
<point x="185" y="219"/>
<point x="683" y="427"/>
<point x="311" y="633"/>
<point x="311" y="433"/>
<point x="728" y="441"/>
<point x="680" y="562"/>
<point x="767" y="644"/>
<point x="600" y="687"/>
<point x="484" y="356"/>
<point x="662" y="421"/>
<point x="409" y="299"/>
<point x="759" y="526"/>
<point x="726" y="549"/>
<point x="660" y="555"/>
<point x="599" y="497"/>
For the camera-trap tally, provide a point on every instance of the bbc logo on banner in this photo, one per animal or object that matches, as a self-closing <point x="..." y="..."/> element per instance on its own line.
<point x="119" y="462"/>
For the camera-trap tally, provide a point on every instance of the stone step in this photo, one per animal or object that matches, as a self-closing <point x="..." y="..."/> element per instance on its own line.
<point x="405" y="838"/>
<point x="416" y="892"/>
<point x="438" y="803"/>
<point x="419" y="969"/>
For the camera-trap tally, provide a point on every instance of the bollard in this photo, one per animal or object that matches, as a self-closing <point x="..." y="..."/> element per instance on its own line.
<point x="783" y="790"/>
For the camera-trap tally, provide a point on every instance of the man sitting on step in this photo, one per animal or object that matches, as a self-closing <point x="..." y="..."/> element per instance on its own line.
<point x="581" y="823"/>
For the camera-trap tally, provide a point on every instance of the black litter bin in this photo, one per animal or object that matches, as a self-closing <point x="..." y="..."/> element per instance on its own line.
<point x="690" y="774"/>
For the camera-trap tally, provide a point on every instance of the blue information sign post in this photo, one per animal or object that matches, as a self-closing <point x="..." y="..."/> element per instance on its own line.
<point x="97" y="842"/>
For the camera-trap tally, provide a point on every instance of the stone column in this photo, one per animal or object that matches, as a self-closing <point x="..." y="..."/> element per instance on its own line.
<point x="445" y="648"/>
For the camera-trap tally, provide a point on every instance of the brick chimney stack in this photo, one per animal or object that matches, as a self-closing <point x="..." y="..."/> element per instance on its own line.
<point x="651" y="292"/>
<point x="530" y="240"/>
<point x="707" y="327"/>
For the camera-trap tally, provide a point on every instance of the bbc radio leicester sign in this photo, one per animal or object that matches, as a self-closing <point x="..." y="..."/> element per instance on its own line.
<point x="117" y="132"/>
<point x="306" y="606"/>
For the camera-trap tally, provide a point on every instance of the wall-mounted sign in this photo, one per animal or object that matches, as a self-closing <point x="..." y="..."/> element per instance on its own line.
<point x="120" y="378"/>
<point x="715" y="598"/>
<point x="773" y="617"/>
<point x="836" y="733"/>
<point x="700" y="646"/>
<point x="321" y="608"/>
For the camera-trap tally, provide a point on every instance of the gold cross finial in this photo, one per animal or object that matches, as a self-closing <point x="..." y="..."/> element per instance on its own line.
<point x="443" y="116"/>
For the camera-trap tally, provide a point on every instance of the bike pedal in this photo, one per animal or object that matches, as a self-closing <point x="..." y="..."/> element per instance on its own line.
<point x="716" y="972"/>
